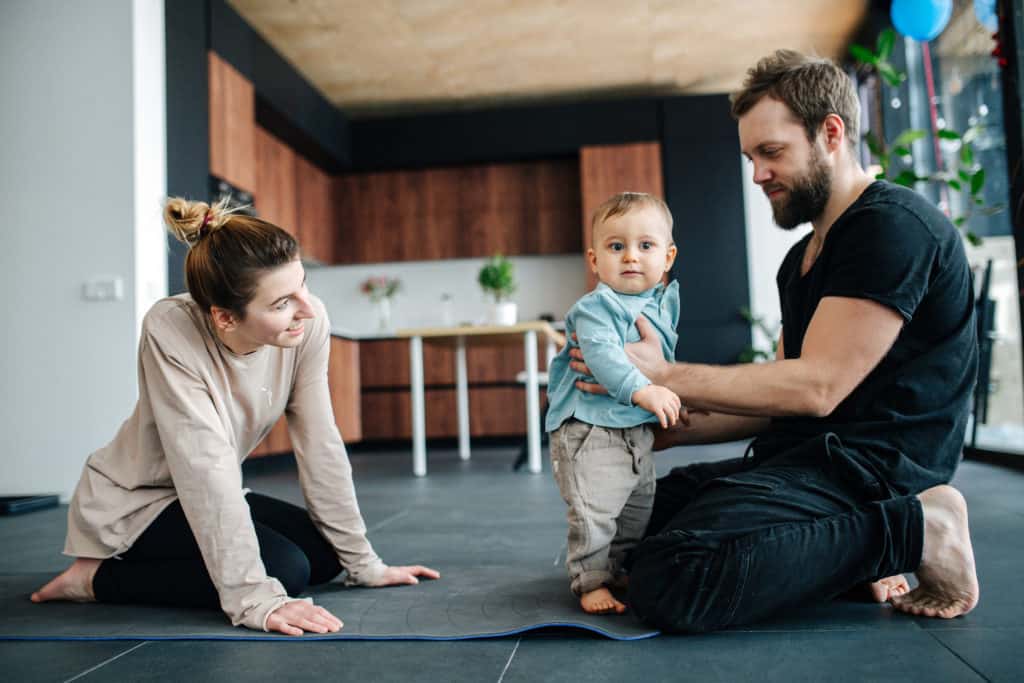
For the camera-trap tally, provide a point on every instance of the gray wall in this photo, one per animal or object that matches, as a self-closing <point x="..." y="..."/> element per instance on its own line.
<point x="70" y="176"/>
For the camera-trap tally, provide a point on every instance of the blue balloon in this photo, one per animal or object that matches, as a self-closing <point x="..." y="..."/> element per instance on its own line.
<point x="921" y="19"/>
<point x="985" y="11"/>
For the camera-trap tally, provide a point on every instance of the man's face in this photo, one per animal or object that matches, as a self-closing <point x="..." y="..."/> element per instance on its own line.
<point x="793" y="172"/>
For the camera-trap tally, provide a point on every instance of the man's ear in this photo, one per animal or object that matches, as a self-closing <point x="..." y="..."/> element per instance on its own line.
<point x="223" y="319"/>
<point x="834" y="131"/>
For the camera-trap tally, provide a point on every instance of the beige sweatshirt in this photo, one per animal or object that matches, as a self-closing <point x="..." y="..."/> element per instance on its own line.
<point x="201" y="411"/>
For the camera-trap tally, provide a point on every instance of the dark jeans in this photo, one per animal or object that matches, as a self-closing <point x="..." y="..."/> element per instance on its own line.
<point x="164" y="566"/>
<point x="736" y="541"/>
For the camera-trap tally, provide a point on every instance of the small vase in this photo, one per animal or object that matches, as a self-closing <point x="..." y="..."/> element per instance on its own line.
<point x="504" y="313"/>
<point x="384" y="314"/>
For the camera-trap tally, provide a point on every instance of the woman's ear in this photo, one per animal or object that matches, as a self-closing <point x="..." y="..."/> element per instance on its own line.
<point x="223" y="319"/>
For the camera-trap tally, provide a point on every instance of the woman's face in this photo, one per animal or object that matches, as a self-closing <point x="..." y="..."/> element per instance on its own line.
<point x="274" y="316"/>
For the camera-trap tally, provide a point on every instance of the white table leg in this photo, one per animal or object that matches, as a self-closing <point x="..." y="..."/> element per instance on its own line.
<point x="419" y="429"/>
<point x="532" y="403"/>
<point x="462" y="396"/>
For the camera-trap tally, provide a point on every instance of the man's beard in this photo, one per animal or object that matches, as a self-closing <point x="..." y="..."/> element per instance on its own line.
<point x="807" y="198"/>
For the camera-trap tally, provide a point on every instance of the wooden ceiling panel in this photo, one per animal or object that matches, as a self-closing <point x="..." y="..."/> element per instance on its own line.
<point x="372" y="56"/>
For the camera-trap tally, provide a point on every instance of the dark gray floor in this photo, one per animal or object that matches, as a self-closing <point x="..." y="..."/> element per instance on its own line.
<point x="480" y="512"/>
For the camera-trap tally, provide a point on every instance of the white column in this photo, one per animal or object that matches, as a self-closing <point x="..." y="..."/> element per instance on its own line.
<point x="532" y="402"/>
<point x="462" y="396"/>
<point x="419" y="429"/>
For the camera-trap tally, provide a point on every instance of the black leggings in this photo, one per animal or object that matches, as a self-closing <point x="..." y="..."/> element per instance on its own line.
<point x="164" y="566"/>
<point x="733" y="542"/>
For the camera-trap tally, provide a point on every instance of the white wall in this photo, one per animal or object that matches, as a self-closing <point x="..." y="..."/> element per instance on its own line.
<point x="767" y="245"/>
<point x="77" y="175"/>
<point x="547" y="284"/>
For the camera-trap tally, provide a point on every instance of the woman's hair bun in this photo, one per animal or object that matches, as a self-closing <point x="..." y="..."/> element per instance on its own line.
<point x="190" y="221"/>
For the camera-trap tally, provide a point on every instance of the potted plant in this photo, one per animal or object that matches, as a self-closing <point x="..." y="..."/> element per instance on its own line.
<point x="497" y="279"/>
<point x="380" y="289"/>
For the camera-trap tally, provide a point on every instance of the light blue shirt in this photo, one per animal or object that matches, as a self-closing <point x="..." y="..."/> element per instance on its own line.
<point x="604" y="321"/>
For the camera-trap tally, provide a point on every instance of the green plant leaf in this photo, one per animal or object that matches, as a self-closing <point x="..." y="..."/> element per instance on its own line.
<point x="908" y="136"/>
<point x="955" y="184"/>
<point x="959" y="221"/>
<point x="883" y="45"/>
<point x="862" y="54"/>
<point x="889" y="74"/>
<point x="967" y="156"/>
<point x="978" y="181"/>
<point x="906" y="178"/>
<point x="873" y="144"/>
<point x="880" y="176"/>
<point x="901" y="151"/>
<point x="974" y="239"/>
<point x="971" y="134"/>
<point x="964" y="175"/>
<point x="945" y="134"/>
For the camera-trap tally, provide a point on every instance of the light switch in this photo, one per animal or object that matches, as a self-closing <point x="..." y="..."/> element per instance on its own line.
<point x="103" y="288"/>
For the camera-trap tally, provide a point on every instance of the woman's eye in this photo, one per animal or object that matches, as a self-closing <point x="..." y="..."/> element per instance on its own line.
<point x="281" y="306"/>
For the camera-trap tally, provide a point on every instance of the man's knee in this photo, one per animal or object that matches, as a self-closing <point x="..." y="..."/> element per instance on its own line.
<point x="676" y="583"/>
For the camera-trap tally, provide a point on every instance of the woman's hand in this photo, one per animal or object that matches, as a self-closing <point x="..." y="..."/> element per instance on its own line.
<point x="397" y="576"/>
<point x="296" y="617"/>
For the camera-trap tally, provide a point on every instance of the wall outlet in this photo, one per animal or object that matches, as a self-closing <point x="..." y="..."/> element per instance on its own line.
<point x="103" y="288"/>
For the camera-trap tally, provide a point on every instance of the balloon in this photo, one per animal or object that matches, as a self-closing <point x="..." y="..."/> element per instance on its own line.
<point x="921" y="19"/>
<point x="985" y="11"/>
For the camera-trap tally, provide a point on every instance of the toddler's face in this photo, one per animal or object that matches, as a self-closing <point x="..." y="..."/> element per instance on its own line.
<point x="632" y="251"/>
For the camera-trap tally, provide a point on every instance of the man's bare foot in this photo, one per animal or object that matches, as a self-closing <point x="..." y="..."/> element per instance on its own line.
<point x="601" y="601"/>
<point x="74" y="583"/>
<point x="889" y="587"/>
<point x="948" y="582"/>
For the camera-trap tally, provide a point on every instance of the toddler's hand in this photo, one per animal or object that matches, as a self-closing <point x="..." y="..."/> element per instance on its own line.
<point x="660" y="401"/>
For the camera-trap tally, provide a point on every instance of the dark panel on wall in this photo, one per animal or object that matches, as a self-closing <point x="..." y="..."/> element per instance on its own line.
<point x="311" y="119"/>
<point x="496" y="135"/>
<point x="188" y="123"/>
<point x="704" y="190"/>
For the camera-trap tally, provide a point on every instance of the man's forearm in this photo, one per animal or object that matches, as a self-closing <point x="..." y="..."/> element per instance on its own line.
<point x="710" y="428"/>
<point x="786" y="387"/>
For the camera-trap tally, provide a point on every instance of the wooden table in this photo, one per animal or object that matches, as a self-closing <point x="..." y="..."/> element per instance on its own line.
<point x="470" y="335"/>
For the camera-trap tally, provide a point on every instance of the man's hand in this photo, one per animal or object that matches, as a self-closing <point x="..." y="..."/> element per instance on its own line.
<point x="296" y="617"/>
<point x="660" y="401"/>
<point x="397" y="576"/>
<point x="646" y="354"/>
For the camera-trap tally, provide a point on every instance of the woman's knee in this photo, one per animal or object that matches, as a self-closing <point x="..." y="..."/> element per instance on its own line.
<point x="290" y="566"/>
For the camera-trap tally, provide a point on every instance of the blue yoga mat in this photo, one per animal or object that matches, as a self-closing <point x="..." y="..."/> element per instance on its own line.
<point x="482" y="602"/>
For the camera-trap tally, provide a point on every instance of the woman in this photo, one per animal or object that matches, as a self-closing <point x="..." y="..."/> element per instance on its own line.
<point x="159" y="515"/>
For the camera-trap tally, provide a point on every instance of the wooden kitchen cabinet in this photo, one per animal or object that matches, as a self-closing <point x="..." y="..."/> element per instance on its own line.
<point x="315" y="205"/>
<point x="343" y="378"/>
<point x="275" y="195"/>
<point x="608" y="169"/>
<point x="232" y="107"/>
<point x="459" y="212"/>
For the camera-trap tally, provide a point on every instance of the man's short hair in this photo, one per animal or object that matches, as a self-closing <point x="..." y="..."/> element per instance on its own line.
<point x="812" y="88"/>
<point x="624" y="202"/>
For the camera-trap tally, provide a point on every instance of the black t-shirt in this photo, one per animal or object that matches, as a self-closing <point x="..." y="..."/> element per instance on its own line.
<point x="902" y="429"/>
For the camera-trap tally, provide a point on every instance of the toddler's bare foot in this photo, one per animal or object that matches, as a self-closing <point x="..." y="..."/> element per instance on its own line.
<point x="74" y="583"/>
<point x="889" y="587"/>
<point x="601" y="601"/>
<point x="948" y="582"/>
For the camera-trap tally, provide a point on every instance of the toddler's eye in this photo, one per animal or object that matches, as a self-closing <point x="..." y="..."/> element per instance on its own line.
<point x="616" y="246"/>
<point x="646" y="245"/>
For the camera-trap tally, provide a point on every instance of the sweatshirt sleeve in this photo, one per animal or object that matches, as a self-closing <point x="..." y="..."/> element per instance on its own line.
<point x="603" y="347"/>
<point x="207" y="478"/>
<point x="325" y="474"/>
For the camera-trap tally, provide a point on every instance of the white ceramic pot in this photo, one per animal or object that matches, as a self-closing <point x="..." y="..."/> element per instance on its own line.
<point x="504" y="313"/>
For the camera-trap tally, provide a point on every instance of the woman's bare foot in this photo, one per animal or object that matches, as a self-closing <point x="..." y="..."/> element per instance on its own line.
<point x="601" y="601"/>
<point x="889" y="587"/>
<point x="948" y="582"/>
<point x="74" y="583"/>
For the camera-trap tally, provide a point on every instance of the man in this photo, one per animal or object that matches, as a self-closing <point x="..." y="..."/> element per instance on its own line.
<point x="859" y="422"/>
